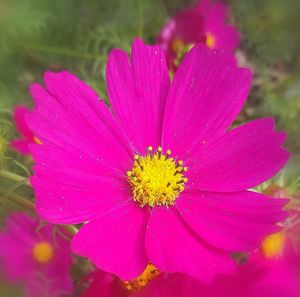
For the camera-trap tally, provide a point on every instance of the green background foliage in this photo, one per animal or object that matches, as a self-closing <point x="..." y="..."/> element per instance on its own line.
<point x="37" y="35"/>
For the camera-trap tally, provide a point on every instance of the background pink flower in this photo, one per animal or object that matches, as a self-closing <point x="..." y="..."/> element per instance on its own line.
<point x="205" y="23"/>
<point x="260" y="276"/>
<point x="85" y="169"/>
<point x="27" y="136"/>
<point x="251" y="279"/>
<point x="30" y="253"/>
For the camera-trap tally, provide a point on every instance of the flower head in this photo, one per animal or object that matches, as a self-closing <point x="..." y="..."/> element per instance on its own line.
<point x="33" y="256"/>
<point x="27" y="137"/>
<point x="162" y="178"/>
<point x="203" y="23"/>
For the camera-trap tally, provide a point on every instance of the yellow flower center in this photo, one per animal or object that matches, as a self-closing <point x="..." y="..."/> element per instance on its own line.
<point x="273" y="245"/>
<point x="210" y="40"/>
<point x="180" y="48"/>
<point x="43" y="252"/>
<point x="156" y="179"/>
<point x="150" y="273"/>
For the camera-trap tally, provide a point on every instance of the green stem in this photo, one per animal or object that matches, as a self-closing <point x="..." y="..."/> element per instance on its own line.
<point x="141" y="19"/>
<point x="14" y="177"/>
<point x="69" y="229"/>
<point x="29" y="205"/>
<point x="59" y="51"/>
<point x="168" y="7"/>
<point x="18" y="199"/>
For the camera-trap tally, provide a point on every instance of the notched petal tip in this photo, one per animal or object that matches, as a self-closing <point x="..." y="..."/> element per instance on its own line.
<point x="139" y="45"/>
<point x="50" y="76"/>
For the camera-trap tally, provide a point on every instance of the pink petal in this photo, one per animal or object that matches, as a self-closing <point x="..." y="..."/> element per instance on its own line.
<point x="231" y="221"/>
<point x="105" y="285"/>
<point x="21" y="145"/>
<point x="215" y="12"/>
<point x="19" y="231"/>
<point x="83" y="151"/>
<point x="252" y="279"/>
<point x="79" y="191"/>
<point x="173" y="247"/>
<point x="281" y="279"/>
<point x="206" y="95"/>
<point x="20" y="112"/>
<point x="115" y="241"/>
<point x="170" y="285"/>
<point x="69" y="114"/>
<point x="137" y="90"/>
<point x="226" y="36"/>
<point x="242" y="158"/>
<point x="257" y="279"/>
<point x="21" y="227"/>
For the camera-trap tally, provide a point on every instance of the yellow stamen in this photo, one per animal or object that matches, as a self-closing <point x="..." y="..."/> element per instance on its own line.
<point x="210" y="40"/>
<point x="272" y="246"/>
<point x="141" y="281"/>
<point x="43" y="252"/>
<point x="177" y="45"/>
<point x="36" y="140"/>
<point x="180" y="48"/>
<point x="156" y="179"/>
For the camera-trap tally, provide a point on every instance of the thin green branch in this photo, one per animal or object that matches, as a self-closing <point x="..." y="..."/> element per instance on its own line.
<point x="14" y="177"/>
<point x="59" y="51"/>
<point x="18" y="199"/>
<point x="141" y="19"/>
<point x="69" y="229"/>
<point x="29" y="205"/>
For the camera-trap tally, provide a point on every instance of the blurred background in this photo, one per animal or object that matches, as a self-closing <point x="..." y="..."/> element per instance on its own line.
<point x="37" y="35"/>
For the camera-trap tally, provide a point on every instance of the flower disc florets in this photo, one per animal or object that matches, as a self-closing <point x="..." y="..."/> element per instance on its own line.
<point x="156" y="179"/>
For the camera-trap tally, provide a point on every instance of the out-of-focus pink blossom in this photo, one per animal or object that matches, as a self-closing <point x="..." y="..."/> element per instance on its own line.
<point x="31" y="254"/>
<point x="205" y="23"/>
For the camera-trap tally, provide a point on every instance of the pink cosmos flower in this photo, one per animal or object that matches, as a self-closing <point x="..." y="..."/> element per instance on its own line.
<point x="203" y="23"/>
<point x="161" y="178"/>
<point x="262" y="277"/>
<point x="21" y="145"/>
<point x="30" y="254"/>
<point x="252" y="279"/>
